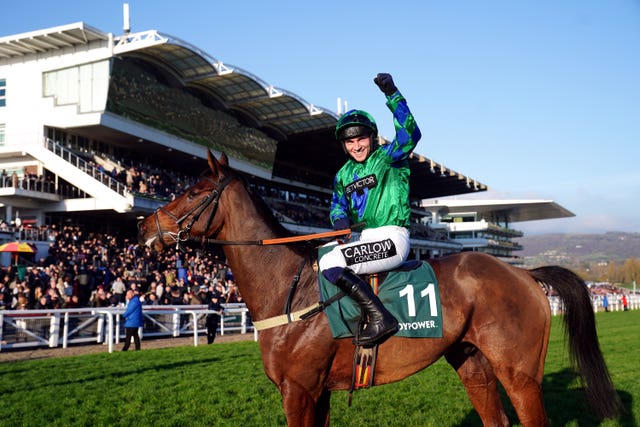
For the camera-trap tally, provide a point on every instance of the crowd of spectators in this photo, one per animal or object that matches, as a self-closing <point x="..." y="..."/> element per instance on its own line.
<point x="147" y="97"/>
<point x="143" y="180"/>
<point x="28" y="180"/>
<point x="86" y="269"/>
<point x="95" y="270"/>
<point x="605" y="288"/>
<point x="137" y="177"/>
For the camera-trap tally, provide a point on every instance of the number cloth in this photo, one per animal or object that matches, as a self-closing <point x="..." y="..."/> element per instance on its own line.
<point x="412" y="296"/>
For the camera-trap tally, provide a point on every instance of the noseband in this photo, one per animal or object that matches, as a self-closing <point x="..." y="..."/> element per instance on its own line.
<point x="195" y="212"/>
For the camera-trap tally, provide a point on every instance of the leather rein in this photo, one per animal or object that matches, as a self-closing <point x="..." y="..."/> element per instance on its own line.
<point x="184" y="235"/>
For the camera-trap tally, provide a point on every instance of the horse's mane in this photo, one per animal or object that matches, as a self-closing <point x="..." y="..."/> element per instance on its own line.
<point x="266" y="212"/>
<point x="272" y="222"/>
<point x="263" y="209"/>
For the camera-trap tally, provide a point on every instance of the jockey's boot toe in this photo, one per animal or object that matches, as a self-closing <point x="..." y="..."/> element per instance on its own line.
<point x="376" y="332"/>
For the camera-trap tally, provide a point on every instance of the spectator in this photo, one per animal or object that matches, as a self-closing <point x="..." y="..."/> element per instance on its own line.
<point x="5" y="304"/>
<point x="99" y="298"/>
<point x="43" y="303"/>
<point x="213" y="300"/>
<point x="71" y="302"/>
<point x="151" y="299"/>
<point x="94" y="265"/>
<point x="133" y="320"/>
<point x="118" y="288"/>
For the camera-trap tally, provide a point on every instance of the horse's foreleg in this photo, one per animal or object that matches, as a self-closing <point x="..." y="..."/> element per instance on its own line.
<point x="301" y="408"/>
<point x="481" y="384"/>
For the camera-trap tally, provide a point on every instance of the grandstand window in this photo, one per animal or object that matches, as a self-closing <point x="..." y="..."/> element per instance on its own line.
<point x="3" y="92"/>
<point x="85" y="85"/>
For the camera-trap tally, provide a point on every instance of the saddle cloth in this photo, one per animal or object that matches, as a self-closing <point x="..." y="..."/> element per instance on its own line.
<point x="409" y="292"/>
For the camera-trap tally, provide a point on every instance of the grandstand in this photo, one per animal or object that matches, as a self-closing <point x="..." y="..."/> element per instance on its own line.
<point x="98" y="130"/>
<point x="487" y="225"/>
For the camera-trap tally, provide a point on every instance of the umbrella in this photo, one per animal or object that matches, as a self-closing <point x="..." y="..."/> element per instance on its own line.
<point x="17" y="247"/>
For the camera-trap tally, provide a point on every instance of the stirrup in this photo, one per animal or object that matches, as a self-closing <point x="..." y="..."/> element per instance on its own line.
<point x="387" y="331"/>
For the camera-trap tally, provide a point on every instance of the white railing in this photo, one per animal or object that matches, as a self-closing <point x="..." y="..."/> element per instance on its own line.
<point x="86" y="167"/>
<point x="55" y="328"/>
<point x="614" y="303"/>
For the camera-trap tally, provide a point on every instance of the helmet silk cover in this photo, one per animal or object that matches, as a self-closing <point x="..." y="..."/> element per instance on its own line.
<point x="358" y="119"/>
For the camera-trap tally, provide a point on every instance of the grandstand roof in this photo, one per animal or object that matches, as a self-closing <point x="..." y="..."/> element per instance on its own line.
<point x="306" y="147"/>
<point x="49" y="39"/>
<point x="235" y="88"/>
<point x="513" y="210"/>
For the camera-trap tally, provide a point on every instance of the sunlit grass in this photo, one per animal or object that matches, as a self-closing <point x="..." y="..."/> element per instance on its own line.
<point x="224" y="385"/>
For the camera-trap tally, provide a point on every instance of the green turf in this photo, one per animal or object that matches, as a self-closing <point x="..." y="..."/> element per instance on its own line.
<point x="224" y="385"/>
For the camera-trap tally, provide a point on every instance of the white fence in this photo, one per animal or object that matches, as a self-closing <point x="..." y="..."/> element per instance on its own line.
<point x="55" y="328"/>
<point x="614" y="301"/>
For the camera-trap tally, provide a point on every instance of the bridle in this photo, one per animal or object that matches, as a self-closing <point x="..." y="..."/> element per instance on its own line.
<point x="184" y="232"/>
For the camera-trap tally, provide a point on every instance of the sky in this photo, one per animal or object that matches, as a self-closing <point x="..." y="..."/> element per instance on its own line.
<point x="537" y="99"/>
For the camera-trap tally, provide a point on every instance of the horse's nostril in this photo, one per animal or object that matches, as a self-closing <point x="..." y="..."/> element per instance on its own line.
<point x="141" y="227"/>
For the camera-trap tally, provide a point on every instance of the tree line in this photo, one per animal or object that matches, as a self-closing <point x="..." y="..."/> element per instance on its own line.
<point x="624" y="272"/>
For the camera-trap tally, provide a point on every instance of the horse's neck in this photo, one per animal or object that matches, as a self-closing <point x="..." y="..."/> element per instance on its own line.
<point x="263" y="273"/>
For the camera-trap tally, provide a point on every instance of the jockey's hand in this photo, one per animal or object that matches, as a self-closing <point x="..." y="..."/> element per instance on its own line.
<point x="385" y="83"/>
<point x="341" y="224"/>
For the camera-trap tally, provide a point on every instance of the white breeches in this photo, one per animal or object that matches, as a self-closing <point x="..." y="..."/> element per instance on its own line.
<point x="378" y="249"/>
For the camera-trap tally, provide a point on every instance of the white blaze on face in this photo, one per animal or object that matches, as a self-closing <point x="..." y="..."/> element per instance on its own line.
<point x="150" y="241"/>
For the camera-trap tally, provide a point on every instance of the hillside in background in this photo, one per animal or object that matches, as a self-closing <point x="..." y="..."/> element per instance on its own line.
<point x="579" y="248"/>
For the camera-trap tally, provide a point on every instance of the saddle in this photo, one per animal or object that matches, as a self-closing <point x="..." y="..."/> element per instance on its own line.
<point x="409" y="292"/>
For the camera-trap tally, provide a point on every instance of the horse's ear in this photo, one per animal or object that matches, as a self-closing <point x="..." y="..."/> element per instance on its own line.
<point x="214" y="165"/>
<point x="224" y="160"/>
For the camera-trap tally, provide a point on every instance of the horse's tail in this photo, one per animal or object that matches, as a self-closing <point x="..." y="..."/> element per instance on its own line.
<point x="580" y="327"/>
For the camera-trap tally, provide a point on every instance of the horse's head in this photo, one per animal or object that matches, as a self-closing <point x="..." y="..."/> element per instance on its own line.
<point x="193" y="214"/>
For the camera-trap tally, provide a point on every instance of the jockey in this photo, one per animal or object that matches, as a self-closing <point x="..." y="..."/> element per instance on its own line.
<point x="372" y="187"/>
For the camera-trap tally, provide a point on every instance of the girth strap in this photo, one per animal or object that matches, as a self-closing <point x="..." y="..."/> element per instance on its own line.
<point x="285" y="319"/>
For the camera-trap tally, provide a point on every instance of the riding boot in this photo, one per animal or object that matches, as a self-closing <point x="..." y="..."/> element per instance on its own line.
<point x="380" y="324"/>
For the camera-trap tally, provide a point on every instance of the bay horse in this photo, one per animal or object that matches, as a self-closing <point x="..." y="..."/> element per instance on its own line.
<point x="496" y="317"/>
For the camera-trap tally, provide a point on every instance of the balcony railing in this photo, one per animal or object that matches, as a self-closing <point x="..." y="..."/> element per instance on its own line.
<point x="86" y="167"/>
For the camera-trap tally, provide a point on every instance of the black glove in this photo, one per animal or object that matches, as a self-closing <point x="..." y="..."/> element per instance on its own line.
<point x="385" y="83"/>
<point x="341" y="224"/>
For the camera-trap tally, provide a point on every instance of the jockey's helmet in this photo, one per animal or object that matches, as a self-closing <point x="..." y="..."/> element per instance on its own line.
<point x="355" y="123"/>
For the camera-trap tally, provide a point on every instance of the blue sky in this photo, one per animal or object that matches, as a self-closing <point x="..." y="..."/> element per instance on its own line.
<point x="536" y="99"/>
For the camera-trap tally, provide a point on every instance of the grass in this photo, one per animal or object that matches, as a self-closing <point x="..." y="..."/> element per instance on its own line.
<point x="224" y="385"/>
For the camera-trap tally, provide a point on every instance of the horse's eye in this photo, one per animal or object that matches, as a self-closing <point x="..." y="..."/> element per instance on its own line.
<point x="192" y="194"/>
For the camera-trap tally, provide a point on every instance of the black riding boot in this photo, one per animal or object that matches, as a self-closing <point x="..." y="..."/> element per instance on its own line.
<point x="380" y="323"/>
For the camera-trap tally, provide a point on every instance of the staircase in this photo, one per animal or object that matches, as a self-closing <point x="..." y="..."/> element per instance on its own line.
<point x="107" y="192"/>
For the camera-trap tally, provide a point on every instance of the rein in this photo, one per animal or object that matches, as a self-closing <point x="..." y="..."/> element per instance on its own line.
<point x="277" y="241"/>
<point x="184" y="235"/>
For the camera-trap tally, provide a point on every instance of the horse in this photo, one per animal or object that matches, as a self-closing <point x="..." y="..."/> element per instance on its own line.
<point x="496" y="317"/>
